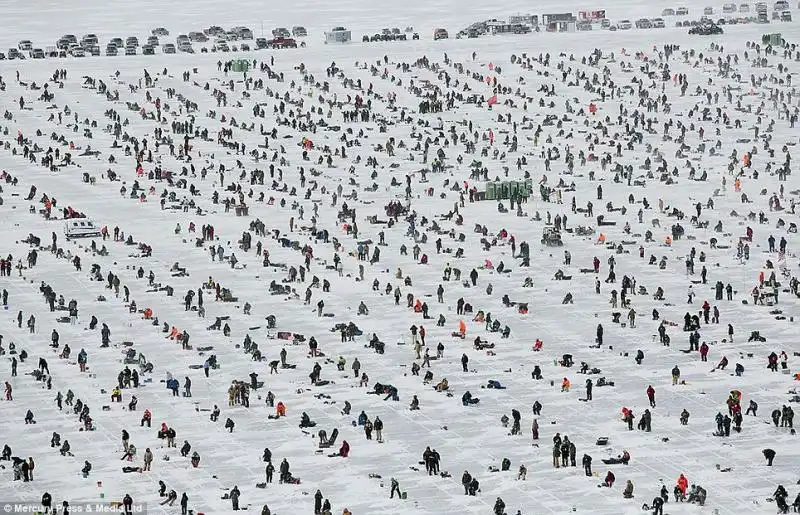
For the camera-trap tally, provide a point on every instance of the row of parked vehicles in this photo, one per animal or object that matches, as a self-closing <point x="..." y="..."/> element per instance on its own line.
<point x="391" y="35"/>
<point x="605" y="23"/>
<point x="730" y="8"/>
<point x="69" y="45"/>
<point x="780" y="12"/>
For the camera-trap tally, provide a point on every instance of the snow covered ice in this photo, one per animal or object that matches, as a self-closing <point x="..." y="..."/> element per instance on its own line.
<point x="590" y="126"/>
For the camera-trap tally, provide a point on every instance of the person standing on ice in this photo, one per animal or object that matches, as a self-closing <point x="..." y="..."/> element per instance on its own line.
<point x="651" y="396"/>
<point x="234" y="496"/>
<point x="317" y="502"/>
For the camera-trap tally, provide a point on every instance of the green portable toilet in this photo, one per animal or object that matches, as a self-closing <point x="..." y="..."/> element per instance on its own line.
<point x="513" y="189"/>
<point x="491" y="191"/>
<point x="527" y="188"/>
<point x="776" y="39"/>
<point x="241" y="66"/>
<point x="504" y="189"/>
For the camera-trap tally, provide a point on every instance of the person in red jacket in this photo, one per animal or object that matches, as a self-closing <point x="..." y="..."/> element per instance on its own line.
<point x="683" y="484"/>
<point x="704" y="352"/>
<point x="651" y="395"/>
<point x="345" y="449"/>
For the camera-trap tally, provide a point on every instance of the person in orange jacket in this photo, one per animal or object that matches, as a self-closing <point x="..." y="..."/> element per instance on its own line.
<point x="280" y="409"/>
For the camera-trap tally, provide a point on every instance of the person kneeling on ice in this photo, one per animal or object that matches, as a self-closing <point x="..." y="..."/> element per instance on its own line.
<point x="344" y="451"/>
<point x="468" y="400"/>
<point x="628" y="492"/>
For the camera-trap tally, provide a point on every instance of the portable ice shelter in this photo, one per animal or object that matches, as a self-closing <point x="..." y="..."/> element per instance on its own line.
<point x="338" y="35"/>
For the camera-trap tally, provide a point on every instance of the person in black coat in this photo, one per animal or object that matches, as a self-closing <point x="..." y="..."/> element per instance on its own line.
<point x="770" y="455"/>
<point x="318" y="502"/>
<point x="466" y="479"/>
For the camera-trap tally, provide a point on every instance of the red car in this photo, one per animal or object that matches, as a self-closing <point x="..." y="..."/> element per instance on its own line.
<point x="282" y="43"/>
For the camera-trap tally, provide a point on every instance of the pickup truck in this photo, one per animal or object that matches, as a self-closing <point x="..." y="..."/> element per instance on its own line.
<point x="282" y="42"/>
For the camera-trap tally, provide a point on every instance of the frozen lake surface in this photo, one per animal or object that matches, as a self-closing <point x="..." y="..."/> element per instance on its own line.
<point x="443" y="156"/>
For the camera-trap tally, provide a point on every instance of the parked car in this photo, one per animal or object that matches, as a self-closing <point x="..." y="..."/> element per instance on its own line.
<point x="281" y="32"/>
<point x="89" y="39"/>
<point x="644" y="23"/>
<point x="37" y="53"/>
<point x="282" y="42"/>
<point x="681" y="11"/>
<point x="744" y="8"/>
<point x="77" y="52"/>
<point x="243" y="32"/>
<point x="13" y="53"/>
<point x="111" y="51"/>
<point x="93" y="50"/>
<point x="583" y="25"/>
<point x="261" y="43"/>
<point x="440" y="34"/>
<point x="25" y="45"/>
<point x="117" y="42"/>
<point x="299" y="31"/>
<point x="729" y="8"/>
<point x="168" y="48"/>
<point x="160" y="31"/>
<point x="130" y="50"/>
<point x="624" y="25"/>
<point x="132" y="41"/>
<point x="214" y="30"/>
<point x="781" y="5"/>
<point x="148" y="50"/>
<point x="152" y="41"/>
<point x="658" y="23"/>
<point x="185" y="46"/>
<point x="668" y="12"/>
<point x="51" y="51"/>
<point x="786" y="16"/>
<point x="708" y="11"/>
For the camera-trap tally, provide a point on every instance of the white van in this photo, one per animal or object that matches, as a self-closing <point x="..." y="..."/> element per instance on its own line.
<point x="80" y="228"/>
